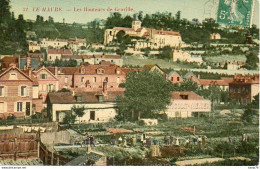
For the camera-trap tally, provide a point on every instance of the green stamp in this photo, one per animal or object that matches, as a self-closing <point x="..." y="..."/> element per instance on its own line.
<point x="235" y="12"/>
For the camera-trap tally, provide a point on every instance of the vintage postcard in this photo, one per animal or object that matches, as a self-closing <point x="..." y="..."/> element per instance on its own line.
<point x="129" y="83"/>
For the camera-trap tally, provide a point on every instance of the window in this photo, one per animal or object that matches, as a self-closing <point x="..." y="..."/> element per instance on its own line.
<point x="19" y="106"/>
<point x="23" y="91"/>
<point x="2" y="91"/>
<point x="66" y="80"/>
<point x="118" y="80"/>
<point x="106" y="79"/>
<point x="178" y="78"/>
<point x="171" y="78"/>
<point x="82" y="80"/>
<point x="231" y="89"/>
<point x="43" y="76"/>
<point x="92" y="115"/>
<point x="79" y="99"/>
<point x="94" y="79"/>
<point x="100" y="98"/>
<point x="13" y="76"/>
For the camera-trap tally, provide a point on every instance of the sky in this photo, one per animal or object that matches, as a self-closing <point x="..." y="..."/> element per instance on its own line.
<point x="190" y="9"/>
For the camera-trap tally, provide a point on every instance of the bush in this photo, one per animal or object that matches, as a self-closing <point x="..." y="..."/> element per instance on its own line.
<point x="11" y="117"/>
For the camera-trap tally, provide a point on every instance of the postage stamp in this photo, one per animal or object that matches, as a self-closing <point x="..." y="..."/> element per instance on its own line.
<point x="235" y="12"/>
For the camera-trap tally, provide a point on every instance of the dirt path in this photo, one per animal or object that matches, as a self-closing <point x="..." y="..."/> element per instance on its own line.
<point x="198" y="161"/>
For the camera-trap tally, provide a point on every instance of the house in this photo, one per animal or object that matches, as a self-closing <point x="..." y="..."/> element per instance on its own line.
<point x="75" y="44"/>
<point x="235" y="65"/>
<point x="155" y="68"/>
<point x="47" y="81"/>
<point x="174" y="77"/>
<point x="222" y="83"/>
<point x="179" y="55"/>
<point x="214" y="36"/>
<point x="243" y="88"/>
<point x="90" y="77"/>
<point x="53" y="54"/>
<point x="18" y="93"/>
<point x="54" y="43"/>
<point x="191" y="76"/>
<point x="147" y="37"/>
<point x="34" y="47"/>
<point x="100" y="106"/>
<point x="187" y="104"/>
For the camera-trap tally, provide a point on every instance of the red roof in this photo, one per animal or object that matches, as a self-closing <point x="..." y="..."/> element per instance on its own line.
<point x="246" y="79"/>
<point x="221" y="82"/>
<point x="59" y="51"/>
<point x="91" y="56"/>
<point x="181" y="95"/>
<point x="7" y="60"/>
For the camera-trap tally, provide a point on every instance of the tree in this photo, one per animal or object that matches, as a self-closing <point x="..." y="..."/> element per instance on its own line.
<point x="249" y="113"/>
<point x="165" y="53"/>
<point x="69" y="118"/>
<point x="178" y="15"/>
<point x="78" y="111"/>
<point x="252" y="60"/>
<point x="189" y="85"/>
<point x="146" y="94"/>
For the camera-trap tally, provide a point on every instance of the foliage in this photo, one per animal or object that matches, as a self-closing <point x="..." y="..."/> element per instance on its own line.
<point x="61" y="63"/>
<point x="11" y="117"/>
<point x="165" y="53"/>
<point x="146" y="94"/>
<point x="37" y="116"/>
<point x="69" y="118"/>
<point x="252" y="60"/>
<point x="64" y="90"/>
<point x="79" y="111"/>
<point x="248" y="114"/>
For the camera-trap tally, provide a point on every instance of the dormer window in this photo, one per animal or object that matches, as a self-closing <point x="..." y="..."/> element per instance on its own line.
<point x="184" y="97"/>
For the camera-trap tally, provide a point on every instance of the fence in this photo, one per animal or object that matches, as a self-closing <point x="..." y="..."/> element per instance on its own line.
<point x="51" y="157"/>
<point x="18" y="146"/>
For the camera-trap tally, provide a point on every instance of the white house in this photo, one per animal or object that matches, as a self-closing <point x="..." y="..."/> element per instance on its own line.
<point x="99" y="107"/>
<point x="55" y="43"/>
<point x="185" y="56"/>
<point x="53" y="54"/>
<point x="184" y="104"/>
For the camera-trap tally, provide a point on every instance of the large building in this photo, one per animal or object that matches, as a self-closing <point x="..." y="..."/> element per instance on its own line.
<point x="243" y="88"/>
<point x="147" y="37"/>
<point x="90" y="77"/>
<point x="185" y="104"/>
<point x="100" y="106"/>
<point x="19" y="94"/>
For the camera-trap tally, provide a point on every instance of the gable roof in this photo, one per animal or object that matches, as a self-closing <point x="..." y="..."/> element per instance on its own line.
<point x="177" y="95"/>
<point x="149" y="67"/>
<point x="172" y="73"/>
<point x="87" y="97"/>
<point x="44" y="68"/>
<point x="14" y="67"/>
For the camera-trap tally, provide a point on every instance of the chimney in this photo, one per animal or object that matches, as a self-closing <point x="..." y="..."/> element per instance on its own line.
<point x="55" y="70"/>
<point x="105" y="87"/>
<point x="30" y="71"/>
<point x="28" y="61"/>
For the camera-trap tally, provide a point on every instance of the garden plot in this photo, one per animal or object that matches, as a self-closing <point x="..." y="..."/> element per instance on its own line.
<point x="223" y="58"/>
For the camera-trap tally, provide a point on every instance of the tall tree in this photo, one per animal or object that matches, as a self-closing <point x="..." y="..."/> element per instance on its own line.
<point x="78" y="111"/>
<point x="146" y="94"/>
